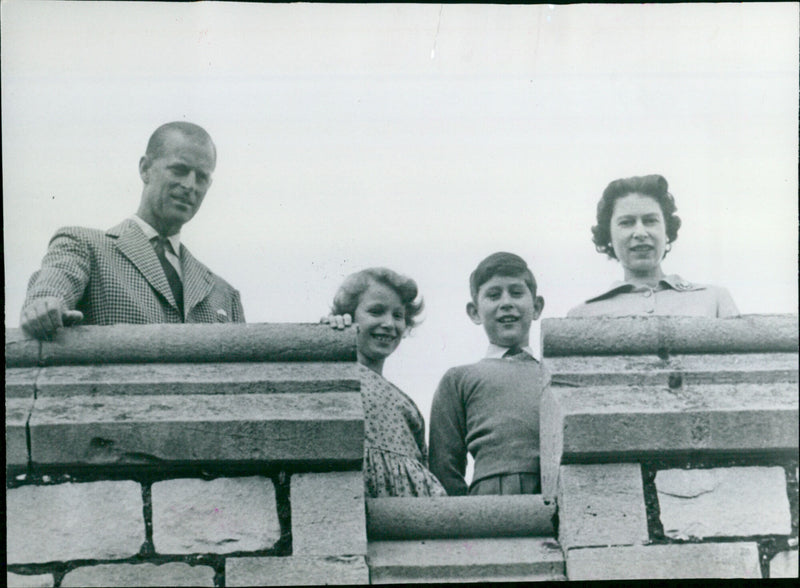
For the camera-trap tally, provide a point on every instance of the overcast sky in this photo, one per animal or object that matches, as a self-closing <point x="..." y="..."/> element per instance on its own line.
<point x="419" y="137"/>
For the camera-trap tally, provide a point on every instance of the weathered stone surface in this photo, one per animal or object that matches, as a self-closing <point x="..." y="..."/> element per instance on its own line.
<point x="21" y="350"/>
<point x="640" y="335"/>
<point x="623" y="423"/>
<point x="21" y="382"/>
<point x="474" y="560"/>
<point x="17" y="412"/>
<point x="664" y="562"/>
<point x="723" y="502"/>
<point x="297" y="570"/>
<point x="180" y="343"/>
<point x="328" y="514"/>
<point x="651" y="370"/>
<point x="146" y="574"/>
<point x="198" y="378"/>
<point x="784" y="565"/>
<point x="97" y="520"/>
<point x="225" y="515"/>
<point x="601" y="505"/>
<point x="154" y="429"/>
<point x="33" y="581"/>
<point x="459" y="516"/>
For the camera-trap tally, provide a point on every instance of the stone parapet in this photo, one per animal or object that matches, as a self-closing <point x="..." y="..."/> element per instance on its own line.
<point x="665" y="335"/>
<point x="459" y="517"/>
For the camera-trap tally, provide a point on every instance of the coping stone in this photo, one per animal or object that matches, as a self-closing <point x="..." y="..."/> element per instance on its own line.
<point x="601" y="504"/>
<point x="120" y="430"/>
<point x="92" y="520"/>
<point x="224" y="515"/>
<point x="521" y="559"/>
<point x="145" y="574"/>
<point x="21" y="350"/>
<point x="723" y="502"/>
<point x="296" y="570"/>
<point x="664" y="562"/>
<point x="29" y="581"/>
<point x="784" y="565"/>
<point x="17" y="412"/>
<point x="328" y="513"/>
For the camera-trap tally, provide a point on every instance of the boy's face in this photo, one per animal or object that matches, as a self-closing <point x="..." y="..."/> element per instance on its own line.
<point x="505" y="307"/>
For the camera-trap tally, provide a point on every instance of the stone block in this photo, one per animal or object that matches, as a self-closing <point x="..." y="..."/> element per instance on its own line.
<point x="641" y="335"/>
<point x="21" y="382"/>
<point x="664" y="562"/>
<point x="784" y="565"/>
<point x="193" y="343"/>
<point x="601" y="505"/>
<point x="225" y="515"/>
<point x="29" y="581"/>
<point x="197" y="378"/>
<point x="297" y="570"/>
<point x="96" y="520"/>
<point x="21" y="350"/>
<point x="156" y="429"/>
<point x="459" y="517"/>
<point x="520" y="559"/>
<point x="624" y="423"/>
<point x="146" y="574"/>
<point x="328" y="514"/>
<point x="17" y="412"/>
<point x="723" y="502"/>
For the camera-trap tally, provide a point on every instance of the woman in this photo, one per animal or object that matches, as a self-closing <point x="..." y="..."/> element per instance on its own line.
<point x="383" y="305"/>
<point x="636" y="224"/>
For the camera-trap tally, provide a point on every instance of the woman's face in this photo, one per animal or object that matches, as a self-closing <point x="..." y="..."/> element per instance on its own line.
<point x="638" y="235"/>
<point x="381" y="319"/>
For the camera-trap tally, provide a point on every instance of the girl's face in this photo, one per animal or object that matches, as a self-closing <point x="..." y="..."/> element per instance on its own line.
<point x="638" y="235"/>
<point x="381" y="319"/>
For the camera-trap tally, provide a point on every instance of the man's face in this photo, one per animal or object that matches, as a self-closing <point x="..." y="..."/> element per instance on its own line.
<point x="505" y="307"/>
<point x="175" y="182"/>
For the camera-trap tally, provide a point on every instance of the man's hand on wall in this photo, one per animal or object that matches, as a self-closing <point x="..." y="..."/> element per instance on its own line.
<point x="44" y="316"/>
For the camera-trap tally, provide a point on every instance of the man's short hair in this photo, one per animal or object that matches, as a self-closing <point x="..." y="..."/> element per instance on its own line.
<point x="155" y="146"/>
<point x="500" y="264"/>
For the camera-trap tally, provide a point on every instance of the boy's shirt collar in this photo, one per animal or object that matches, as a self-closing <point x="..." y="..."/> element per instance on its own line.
<point x="497" y="352"/>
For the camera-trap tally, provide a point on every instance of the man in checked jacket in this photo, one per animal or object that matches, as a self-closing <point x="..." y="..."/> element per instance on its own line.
<point x="138" y="271"/>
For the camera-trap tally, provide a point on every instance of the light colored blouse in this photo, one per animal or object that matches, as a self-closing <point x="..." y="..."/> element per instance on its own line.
<point x="672" y="296"/>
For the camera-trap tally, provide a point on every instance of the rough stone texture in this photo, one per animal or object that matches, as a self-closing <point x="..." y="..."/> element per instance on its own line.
<point x="643" y="422"/>
<point x="677" y="334"/>
<point x="188" y="378"/>
<point x="218" y="516"/>
<point x="24" y="581"/>
<point x="179" y="343"/>
<point x="21" y="382"/>
<point x="473" y="560"/>
<point x="97" y="520"/>
<point x="17" y="412"/>
<point x="153" y="429"/>
<point x="328" y="514"/>
<point x="651" y="370"/>
<point x="784" y="565"/>
<point x="459" y="516"/>
<point x="297" y="570"/>
<point x="664" y="562"/>
<point x="723" y="502"/>
<point x="601" y="505"/>
<point x="168" y="574"/>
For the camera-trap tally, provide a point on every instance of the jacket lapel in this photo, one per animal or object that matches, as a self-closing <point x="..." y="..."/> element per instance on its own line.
<point x="133" y="244"/>
<point x="197" y="281"/>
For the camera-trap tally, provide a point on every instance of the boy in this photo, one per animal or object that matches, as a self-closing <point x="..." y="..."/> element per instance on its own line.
<point x="491" y="408"/>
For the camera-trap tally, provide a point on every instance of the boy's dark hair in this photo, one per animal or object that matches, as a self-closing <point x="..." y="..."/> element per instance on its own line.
<point x="500" y="264"/>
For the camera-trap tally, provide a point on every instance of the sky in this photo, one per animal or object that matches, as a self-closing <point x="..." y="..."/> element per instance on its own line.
<point x="418" y="137"/>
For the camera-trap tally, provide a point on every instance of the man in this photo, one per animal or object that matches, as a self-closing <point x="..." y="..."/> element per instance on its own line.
<point x="138" y="271"/>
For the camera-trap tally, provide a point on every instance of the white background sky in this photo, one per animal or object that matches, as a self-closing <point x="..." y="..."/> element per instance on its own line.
<point x="419" y="137"/>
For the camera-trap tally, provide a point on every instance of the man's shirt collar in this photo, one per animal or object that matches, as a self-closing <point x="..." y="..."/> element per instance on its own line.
<point x="151" y="233"/>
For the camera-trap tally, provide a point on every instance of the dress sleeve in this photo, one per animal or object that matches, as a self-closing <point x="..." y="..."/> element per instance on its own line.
<point x="65" y="270"/>
<point x="448" y="451"/>
<point x="726" y="307"/>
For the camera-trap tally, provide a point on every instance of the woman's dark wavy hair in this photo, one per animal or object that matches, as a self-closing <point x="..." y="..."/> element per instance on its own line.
<point x="653" y="185"/>
<point x="349" y="293"/>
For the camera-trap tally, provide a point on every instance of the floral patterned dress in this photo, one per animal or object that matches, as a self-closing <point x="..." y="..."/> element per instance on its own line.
<point x="395" y="455"/>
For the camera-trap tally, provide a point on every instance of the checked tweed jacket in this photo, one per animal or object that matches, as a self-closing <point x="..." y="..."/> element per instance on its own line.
<point x="115" y="277"/>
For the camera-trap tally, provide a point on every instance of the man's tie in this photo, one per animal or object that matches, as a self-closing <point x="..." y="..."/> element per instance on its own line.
<point x="160" y="244"/>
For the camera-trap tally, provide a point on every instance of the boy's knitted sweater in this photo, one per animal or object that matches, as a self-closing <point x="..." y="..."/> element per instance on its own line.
<point x="491" y="409"/>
